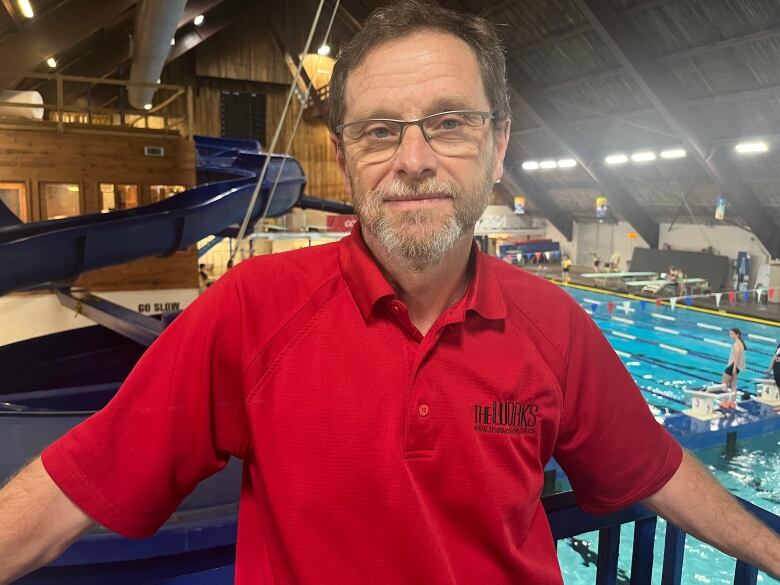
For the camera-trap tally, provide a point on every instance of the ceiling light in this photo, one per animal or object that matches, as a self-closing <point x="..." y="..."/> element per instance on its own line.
<point x="673" y="153"/>
<point x="26" y="9"/>
<point x="530" y="165"/>
<point x="198" y="20"/>
<point x="147" y="107"/>
<point x="173" y="41"/>
<point x="548" y="164"/>
<point x="323" y="50"/>
<point x="751" y="147"/>
<point x="51" y="62"/>
<point x="644" y="156"/>
<point x="567" y="163"/>
<point x="616" y="159"/>
<point x="72" y="188"/>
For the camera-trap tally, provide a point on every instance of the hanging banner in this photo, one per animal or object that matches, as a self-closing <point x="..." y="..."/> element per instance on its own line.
<point x="601" y="207"/>
<point x="642" y="305"/>
<point x="717" y="299"/>
<point x="593" y="307"/>
<point x="732" y="297"/>
<point x="673" y="302"/>
<point x="720" y="207"/>
<point x="610" y="307"/>
<point x="658" y="303"/>
<point x="519" y="205"/>
<point x="538" y="256"/>
<point x="548" y="255"/>
<point x="688" y="300"/>
<point x="759" y="294"/>
<point x="770" y="293"/>
<point x="746" y="296"/>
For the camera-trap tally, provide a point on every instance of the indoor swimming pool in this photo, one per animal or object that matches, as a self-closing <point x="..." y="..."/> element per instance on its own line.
<point x="668" y="351"/>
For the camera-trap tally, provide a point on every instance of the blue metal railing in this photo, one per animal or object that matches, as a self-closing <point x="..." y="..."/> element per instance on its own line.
<point x="210" y="560"/>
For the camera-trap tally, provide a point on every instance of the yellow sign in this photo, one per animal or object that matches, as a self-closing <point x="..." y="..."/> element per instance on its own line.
<point x="601" y="206"/>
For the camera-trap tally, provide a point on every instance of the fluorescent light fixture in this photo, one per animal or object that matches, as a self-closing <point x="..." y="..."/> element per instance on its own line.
<point x="323" y="50"/>
<point x="673" y="153"/>
<point x="530" y="165"/>
<point x="643" y="156"/>
<point x="147" y="106"/>
<point x="548" y="164"/>
<point x="616" y="159"/>
<point x="51" y="62"/>
<point x="198" y="20"/>
<point x="73" y="188"/>
<point x="567" y="163"/>
<point x="751" y="147"/>
<point x="26" y="8"/>
<point x="173" y="41"/>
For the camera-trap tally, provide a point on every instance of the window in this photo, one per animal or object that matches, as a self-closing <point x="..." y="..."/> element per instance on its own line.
<point x="117" y="196"/>
<point x="61" y="200"/>
<point x="243" y="115"/>
<point x="160" y="192"/>
<point x="14" y="196"/>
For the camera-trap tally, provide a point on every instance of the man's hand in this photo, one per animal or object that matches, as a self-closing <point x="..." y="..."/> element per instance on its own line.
<point x="695" y="502"/>
<point x="37" y="522"/>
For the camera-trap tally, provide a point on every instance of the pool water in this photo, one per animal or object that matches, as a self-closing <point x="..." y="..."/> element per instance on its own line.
<point x="667" y="352"/>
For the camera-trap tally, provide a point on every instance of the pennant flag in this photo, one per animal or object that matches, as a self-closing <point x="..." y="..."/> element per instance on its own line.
<point x="538" y="256"/>
<point x="548" y="255"/>
<point x="642" y="305"/>
<point x="658" y="303"/>
<point x="717" y="299"/>
<point x="626" y="306"/>
<point x="610" y="307"/>
<point x="688" y="300"/>
<point x="746" y="296"/>
<point x="759" y="292"/>
<point x="593" y="307"/>
<point x="673" y="302"/>
<point x="732" y="297"/>
<point x="771" y="293"/>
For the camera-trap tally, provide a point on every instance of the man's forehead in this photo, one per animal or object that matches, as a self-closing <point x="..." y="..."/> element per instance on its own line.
<point x="428" y="70"/>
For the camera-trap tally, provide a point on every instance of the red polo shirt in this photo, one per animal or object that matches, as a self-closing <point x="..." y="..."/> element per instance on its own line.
<point x="372" y="454"/>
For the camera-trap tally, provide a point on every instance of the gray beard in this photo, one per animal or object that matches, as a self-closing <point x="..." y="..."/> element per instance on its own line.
<point x="404" y="238"/>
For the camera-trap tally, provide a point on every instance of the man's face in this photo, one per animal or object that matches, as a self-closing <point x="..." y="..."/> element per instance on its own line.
<point x="419" y="204"/>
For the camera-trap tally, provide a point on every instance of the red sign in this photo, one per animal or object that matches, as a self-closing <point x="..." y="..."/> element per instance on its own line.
<point x="341" y="223"/>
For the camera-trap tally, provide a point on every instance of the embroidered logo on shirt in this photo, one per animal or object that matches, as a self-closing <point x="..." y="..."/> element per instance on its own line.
<point x="506" y="418"/>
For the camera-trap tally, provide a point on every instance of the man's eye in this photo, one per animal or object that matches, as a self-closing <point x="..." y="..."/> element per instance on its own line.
<point x="378" y="132"/>
<point x="450" y="124"/>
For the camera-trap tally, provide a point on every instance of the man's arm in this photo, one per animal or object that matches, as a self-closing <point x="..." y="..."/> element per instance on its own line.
<point x="37" y="522"/>
<point x="695" y="502"/>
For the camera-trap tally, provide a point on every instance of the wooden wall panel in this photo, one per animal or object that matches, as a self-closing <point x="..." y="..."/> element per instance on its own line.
<point x="177" y="271"/>
<point x="89" y="159"/>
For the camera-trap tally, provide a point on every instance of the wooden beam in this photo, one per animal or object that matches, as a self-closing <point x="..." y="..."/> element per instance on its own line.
<point x="13" y="13"/>
<point x="220" y="17"/>
<point x="719" y="165"/>
<point x="54" y="31"/>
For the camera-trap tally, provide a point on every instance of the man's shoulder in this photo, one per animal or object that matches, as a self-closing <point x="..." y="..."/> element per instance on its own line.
<point x="536" y="302"/>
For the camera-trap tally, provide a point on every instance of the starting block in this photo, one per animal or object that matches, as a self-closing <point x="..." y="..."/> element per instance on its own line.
<point x="767" y="392"/>
<point x="704" y="403"/>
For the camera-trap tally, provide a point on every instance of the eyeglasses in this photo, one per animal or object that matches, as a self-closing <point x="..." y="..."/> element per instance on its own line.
<point x="455" y="133"/>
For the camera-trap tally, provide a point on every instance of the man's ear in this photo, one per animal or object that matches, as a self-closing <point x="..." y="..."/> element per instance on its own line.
<point x="501" y="136"/>
<point x="341" y="161"/>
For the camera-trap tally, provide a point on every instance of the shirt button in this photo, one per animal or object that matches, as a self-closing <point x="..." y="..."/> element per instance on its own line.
<point x="423" y="410"/>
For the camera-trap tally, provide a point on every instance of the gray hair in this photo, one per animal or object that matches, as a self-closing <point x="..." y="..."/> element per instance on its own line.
<point x="408" y="16"/>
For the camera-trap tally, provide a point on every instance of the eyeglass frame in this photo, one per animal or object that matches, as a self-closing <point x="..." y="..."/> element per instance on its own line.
<point x="339" y="130"/>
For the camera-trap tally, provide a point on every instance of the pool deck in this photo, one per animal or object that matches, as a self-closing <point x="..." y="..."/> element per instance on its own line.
<point x="750" y="310"/>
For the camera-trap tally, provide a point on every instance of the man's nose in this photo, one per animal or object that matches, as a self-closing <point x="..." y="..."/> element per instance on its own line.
<point x="415" y="158"/>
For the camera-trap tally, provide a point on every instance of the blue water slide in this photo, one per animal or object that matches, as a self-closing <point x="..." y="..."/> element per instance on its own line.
<point x="55" y="252"/>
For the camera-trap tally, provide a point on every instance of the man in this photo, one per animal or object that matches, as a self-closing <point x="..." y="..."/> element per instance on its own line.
<point x="394" y="397"/>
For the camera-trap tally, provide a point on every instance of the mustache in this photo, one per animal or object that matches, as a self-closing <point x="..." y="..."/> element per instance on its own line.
<point x="399" y="189"/>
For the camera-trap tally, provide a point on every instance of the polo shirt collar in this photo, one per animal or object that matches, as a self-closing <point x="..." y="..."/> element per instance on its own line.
<point x="368" y="285"/>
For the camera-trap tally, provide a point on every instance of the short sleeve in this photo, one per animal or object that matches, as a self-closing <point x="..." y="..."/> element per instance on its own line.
<point x="176" y="420"/>
<point x="609" y="444"/>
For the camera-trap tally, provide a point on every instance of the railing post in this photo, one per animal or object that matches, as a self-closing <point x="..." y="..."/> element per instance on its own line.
<point x="609" y="545"/>
<point x="60" y="103"/>
<point x="642" y="558"/>
<point x="190" y="112"/>
<point x="674" y="549"/>
<point x="745" y="574"/>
